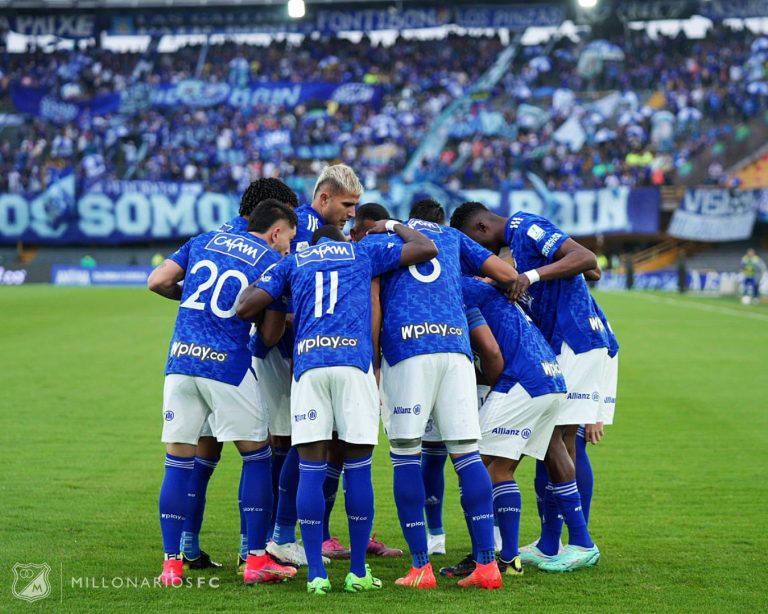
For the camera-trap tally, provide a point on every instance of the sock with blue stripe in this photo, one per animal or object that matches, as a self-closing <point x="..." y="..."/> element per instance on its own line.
<point x="433" y="473"/>
<point x="584" y="476"/>
<point x="330" y="489"/>
<point x="540" y="486"/>
<point x="198" y="486"/>
<point x="469" y="524"/>
<point x="278" y="459"/>
<point x="173" y="501"/>
<point x="257" y="497"/>
<point x="358" y="497"/>
<point x="477" y="495"/>
<point x="409" y="498"/>
<point x="551" y="524"/>
<point x="285" y="519"/>
<point x="243" y="527"/>
<point x="310" y="505"/>
<point x="507" y="504"/>
<point x="566" y="494"/>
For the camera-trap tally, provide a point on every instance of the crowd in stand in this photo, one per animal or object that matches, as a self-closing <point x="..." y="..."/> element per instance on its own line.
<point x="673" y="97"/>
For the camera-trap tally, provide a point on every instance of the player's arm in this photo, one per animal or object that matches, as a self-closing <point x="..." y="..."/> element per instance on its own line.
<point x="376" y="318"/>
<point x="164" y="280"/>
<point x="491" y="359"/>
<point x="272" y="327"/>
<point x="571" y="259"/>
<point x="503" y="273"/>
<point x="417" y="247"/>
<point x="252" y="302"/>
<point x="593" y="274"/>
<point x="593" y="433"/>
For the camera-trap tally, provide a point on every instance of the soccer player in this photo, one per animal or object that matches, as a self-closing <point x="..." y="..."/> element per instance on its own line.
<point x="556" y="295"/>
<point x="427" y="372"/>
<point x="333" y="381"/>
<point x="209" y="373"/>
<point x="752" y="267"/>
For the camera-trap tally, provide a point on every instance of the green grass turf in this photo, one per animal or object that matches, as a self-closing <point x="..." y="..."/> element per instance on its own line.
<point x="679" y="511"/>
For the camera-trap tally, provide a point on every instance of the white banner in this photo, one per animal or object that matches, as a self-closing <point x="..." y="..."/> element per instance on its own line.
<point x="715" y="215"/>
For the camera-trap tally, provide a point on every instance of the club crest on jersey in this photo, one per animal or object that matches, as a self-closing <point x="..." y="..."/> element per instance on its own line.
<point x="325" y="251"/>
<point x="535" y="231"/>
<point x="424" y="225"/>
<point x="242" y="247"/>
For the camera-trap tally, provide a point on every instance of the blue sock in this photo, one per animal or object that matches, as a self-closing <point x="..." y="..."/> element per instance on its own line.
<point x="507" y="504"/>
<point x="310" y="505"/>
<point x="243" y="527"/>
<point x="477" y="494"/>
<point x="409" y="498"/>
<point x="469" y="524"/>
<point x="278" y="458"/>
<point x="198" y="485"/>
<point x="330" y="488"/>
<point x="551" y="524"/>
<point x="540" y="486"/>
<point x="566" y="494"/>
<point x="358" y="497"/>
<point x="285" y="519"/>
<point x="584" y="476"/>
<point x="433" y="473"/>
<point x="173" y="500"/>
<point x="257" y="497"/>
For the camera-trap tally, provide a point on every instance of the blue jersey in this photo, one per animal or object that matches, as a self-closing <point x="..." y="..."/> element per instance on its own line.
<point x="421" y="305"/>
<point x="613" y="343"/>
<point x="209" y="340"/>
<point x="237" y="224"/>
<point x="309" y="221"/>
<point x="528" y="359"/>
<point x="474" y="319"/>
<point x="562" y="308"/>
<point x="330" y="287"/>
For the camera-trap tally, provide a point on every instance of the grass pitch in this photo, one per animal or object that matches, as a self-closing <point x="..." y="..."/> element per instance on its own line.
<point x="681" y="479"/>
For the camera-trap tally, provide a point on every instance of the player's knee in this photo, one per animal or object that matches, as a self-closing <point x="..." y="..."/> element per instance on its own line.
<point x="405" y="446"/>
<point x="462" y="446"/>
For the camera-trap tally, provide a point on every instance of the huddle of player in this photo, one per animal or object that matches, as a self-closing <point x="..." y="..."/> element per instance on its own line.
<point x="345" y="333"/>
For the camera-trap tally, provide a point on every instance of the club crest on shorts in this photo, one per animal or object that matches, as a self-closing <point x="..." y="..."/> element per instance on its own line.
<point x="30" y="581"/>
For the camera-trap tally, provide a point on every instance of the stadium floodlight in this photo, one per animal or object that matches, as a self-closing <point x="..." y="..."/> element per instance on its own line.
<point x="296" y="9"/>
<point x="587" y="4"/>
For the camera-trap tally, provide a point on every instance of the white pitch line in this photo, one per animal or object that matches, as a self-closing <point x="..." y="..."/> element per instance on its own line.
<point x="711" y="308"/>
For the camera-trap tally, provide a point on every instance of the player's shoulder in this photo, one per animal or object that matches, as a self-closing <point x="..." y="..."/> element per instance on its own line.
<point x="324" y="252"/>
<point x="242" y="246"/>
<point x="428" y="227"/>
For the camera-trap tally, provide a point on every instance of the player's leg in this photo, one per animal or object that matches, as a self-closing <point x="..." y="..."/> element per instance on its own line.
<point x="312" y="429"/>
<point x="207" y="456"/>
<point x="584" y="476"/>
<point x="184" y="414"/>
<point x="455" y="414"/>
<point x="280" y="448"/>
<point x="507" y="506"/>
<point x="408" y="390"/>
<point x="433" y="457"/>
<point x="356" y="413"/>
<point x="239" y="416"/>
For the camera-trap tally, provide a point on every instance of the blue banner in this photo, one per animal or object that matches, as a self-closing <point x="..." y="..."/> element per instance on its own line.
<point x="725" y="9"/>
<point x="715" y="214"/>
<point x="39" y="101"/>
<point x="512" y="17"/>
<point x="81" y="25"/>
<point x="667" y="281"/>
<point x="67" y="275"/>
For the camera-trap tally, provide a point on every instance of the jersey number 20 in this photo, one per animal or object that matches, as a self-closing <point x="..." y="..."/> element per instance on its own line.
<point x="217" y="281"/>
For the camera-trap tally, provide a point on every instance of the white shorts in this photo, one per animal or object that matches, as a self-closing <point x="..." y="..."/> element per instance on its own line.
<point x="274" y="375"/>
<point x="515" y="423"/>
<point x="438" y="386"/>
<point x="236" y="411"/>
<point x="207" y="430"/>
<point x="583" y="375"/>
<point x="432" y="433"/>
<point x="608" y="390"/>
<point x="342" y="399"/>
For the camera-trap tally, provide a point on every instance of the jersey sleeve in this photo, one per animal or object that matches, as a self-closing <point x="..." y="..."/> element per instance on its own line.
<point x="384" y="253"/>
<point x="473" y="255"/>
<point x="475" y="318"/>
<point x="181" y="255"/>
<point x="274" y="281"/>
<point x="545" y="236"/>
<point x="472" y="293"/>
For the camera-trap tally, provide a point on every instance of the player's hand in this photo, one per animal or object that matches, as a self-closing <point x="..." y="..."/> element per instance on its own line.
<point x="378" y="228"/>
<point x="593" y="433"/>
<point x="520" y="287"/>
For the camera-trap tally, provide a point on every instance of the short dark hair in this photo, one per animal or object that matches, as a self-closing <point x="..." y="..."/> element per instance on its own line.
<point x="465" y="213"/>
<point x="262" y="189"/>
<point x="269" y="211"/>
<point x="428" y="210"/>
<point x="371" y="211"/>
<point x="329" y="231"/>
